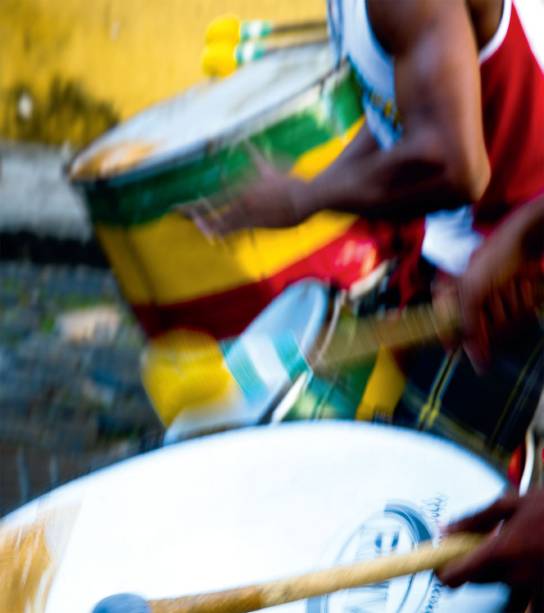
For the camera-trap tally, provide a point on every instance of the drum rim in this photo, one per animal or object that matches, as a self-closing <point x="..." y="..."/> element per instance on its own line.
<point x="24" y="510"/>
<point x="237" y="133"/>
<point x="28" y="514"/>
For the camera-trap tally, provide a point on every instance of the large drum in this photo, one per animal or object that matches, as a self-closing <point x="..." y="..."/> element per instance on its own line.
<point x="254" y="505"/>
<point x="142" y="180"/>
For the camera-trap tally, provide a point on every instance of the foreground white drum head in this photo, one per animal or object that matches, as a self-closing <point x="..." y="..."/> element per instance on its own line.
<point x="265" y="503"/>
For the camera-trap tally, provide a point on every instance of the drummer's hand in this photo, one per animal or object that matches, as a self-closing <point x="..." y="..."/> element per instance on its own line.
<point x="514" y="554"/>
<point x="496" y="292"/>
<point x="273" y="201"/>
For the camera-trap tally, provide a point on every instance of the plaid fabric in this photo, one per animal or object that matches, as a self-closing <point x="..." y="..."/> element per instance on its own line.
<point x="488" y="413"/>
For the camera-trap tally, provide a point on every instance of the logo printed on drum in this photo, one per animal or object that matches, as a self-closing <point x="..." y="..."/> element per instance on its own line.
<point x="435" y="506"/>
<point x="399" y="528"/>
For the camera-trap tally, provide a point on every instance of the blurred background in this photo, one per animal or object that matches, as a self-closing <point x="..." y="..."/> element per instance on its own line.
<point x="71" y="399"/>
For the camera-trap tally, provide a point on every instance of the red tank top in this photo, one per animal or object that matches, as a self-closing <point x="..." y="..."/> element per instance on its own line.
<point x="513" y="117"/>
<point x="512" y="89"/>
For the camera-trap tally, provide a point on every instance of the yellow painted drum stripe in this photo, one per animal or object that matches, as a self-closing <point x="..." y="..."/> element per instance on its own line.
<point x="125" y="263"/>
<point x="383" y="390"/>
<point x="183" y="370"/>
<point x="169" y="260"/>
<point x="181" y="265"/>
<point x="319" y="158"/>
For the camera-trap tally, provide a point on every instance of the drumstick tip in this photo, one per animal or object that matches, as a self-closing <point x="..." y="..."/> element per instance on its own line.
<point x="123" y="603"/>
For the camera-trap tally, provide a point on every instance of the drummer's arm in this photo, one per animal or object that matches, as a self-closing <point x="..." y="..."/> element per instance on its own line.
<point x="441" y="160"/>
<point x="361" y="146"/>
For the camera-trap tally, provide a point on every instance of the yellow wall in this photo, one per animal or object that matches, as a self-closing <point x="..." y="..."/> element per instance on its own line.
<point x="69" y="68"/>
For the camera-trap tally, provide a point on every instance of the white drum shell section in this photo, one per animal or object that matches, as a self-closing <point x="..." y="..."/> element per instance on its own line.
<point x="254" y="505"/>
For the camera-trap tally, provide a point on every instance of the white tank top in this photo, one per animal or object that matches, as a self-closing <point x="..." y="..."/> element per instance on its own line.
<point x="353" y="37"/>
<point x="450" y="239"/>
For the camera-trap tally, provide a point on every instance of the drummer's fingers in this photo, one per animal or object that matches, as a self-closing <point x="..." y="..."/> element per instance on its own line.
<point x="202" y="222"/>
<point x="496" y="310"/>
<point x="210" y="219"/>
<point x="205" y="227"/>
<point x="486" y="520"/>
<point x="486" y="564"/>
<point x="471" y="299"/>
<point x="203" y="215"/>
<point x="521" y="297"/>
<point x="263" y="166"/>
<point x="230" y="218"/>
<point x="508" y="305"/>
<point x="513" y="299"/>
<point x="527" y="290"/>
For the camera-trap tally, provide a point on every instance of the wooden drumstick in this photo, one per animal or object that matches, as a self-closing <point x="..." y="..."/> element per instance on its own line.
<point x="357" y="340"/>
<point x="300" y="587"/>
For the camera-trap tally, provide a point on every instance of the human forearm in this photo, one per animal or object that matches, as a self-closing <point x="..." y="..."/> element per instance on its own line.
<point x="441" y="160"/>
<point x="413" y="178"/>
<point x="498" y="290"/>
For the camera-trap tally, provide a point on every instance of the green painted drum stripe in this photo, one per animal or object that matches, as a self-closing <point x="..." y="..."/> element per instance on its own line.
<point x="336" y="398"/>
<point x="141" y="196"/>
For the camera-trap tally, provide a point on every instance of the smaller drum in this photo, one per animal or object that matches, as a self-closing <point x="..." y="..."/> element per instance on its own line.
<point x="428" y="388"/>
<point x="258" y="504"/>
<point x="263" y="361"/>
<point x="270" y="379"/>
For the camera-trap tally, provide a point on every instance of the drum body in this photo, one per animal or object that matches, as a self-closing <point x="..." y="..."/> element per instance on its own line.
<point x="261" y="365"/>
<point x="142" y="180"/>
<point x="268" y="374"/>
<point x="255" y="505"/>
<point x="365" y="390"/>
<point x="265" y="376"/>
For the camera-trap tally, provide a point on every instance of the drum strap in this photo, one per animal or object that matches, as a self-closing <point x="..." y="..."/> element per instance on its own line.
<point x="431" y="409"/>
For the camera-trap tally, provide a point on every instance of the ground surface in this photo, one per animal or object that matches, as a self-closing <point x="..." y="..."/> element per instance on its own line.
<point x="66" y="407"/>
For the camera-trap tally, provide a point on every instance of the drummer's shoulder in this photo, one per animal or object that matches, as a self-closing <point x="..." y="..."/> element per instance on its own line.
<point x="399" y="24"/>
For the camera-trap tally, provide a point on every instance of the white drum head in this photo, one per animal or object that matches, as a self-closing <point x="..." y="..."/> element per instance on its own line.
<point x="259" y="504"/>
<point x="188" y="122"/>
